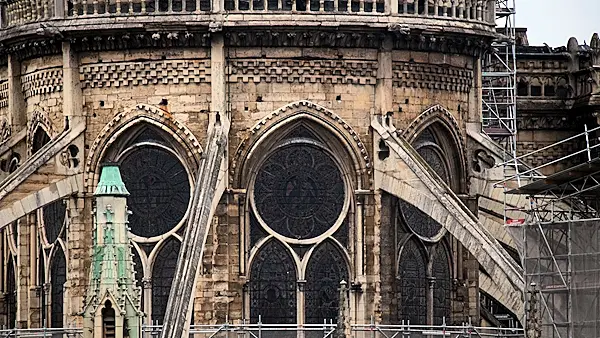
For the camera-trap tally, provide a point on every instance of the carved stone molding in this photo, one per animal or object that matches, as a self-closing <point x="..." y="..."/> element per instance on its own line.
<point x="430" y="76"/>
<point x="30" y="49"/>
<point x="293" y="109"/>
<point x="294" y="38"/>
<point x="144" y="73"/>
<point x="140" y="114"/>
<point x="546" y="122"/>
<point x="43" y="81"/>
<point x="465" y="45"/>
<point x="304" y="71"/>
<point x="125" y="40"/>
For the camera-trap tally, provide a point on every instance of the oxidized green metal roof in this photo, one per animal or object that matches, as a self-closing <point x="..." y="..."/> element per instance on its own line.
<point x="111" y="183"/>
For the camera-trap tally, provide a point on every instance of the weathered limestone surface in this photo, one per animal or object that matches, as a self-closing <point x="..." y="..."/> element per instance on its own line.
<point x="405" y="176"/>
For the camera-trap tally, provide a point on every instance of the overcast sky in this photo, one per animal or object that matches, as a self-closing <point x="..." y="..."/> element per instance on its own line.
<point x="555" y="21"/>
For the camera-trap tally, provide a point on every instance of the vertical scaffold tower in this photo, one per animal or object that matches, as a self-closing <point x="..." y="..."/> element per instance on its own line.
<point x="499" y="89"/>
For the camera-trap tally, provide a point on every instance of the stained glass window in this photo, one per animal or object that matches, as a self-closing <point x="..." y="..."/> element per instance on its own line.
<point x="162" y="277"/>
<point x="418" y="221"/>
<point x="411" y="285"/>
<point x="273" y="286"/>
<point x="443" y="285"/>
<point x="430" y="150"/>
<point x="58" y="279"/>
<point x="11" y="293"/>
<point x="41" y="282"/>
<point x="433" y="156"/>
<point x="299" y="191"/>
<point x="159" y="188"/>
<point x="326" y="268"/>
<point x="54" y="218"/>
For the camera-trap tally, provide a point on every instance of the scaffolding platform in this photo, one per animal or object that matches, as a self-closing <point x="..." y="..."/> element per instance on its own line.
<point x="563" y="181"/>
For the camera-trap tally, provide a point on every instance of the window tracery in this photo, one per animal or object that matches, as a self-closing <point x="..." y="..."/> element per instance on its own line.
<point x="411" y="284"/>
<point x="11" y="293"/>
<point x="325" y="270"/>
<point x="273" y="286"/>
<point x="299" y="196"/>
<point x="159" y="184"/>
<point x="162" y="277"/>
<point x="443" y="285"/>
<point x="54" y="217"/>
<point x="58" y="278"/>
<point x="159" y="190"/>
<point x="299" y="191"/>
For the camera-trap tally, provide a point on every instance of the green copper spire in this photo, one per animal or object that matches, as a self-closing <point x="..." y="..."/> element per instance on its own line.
<point x="111" y="183"/>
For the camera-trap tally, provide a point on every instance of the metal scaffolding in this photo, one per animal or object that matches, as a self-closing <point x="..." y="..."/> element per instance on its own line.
<point x="561" y="240"/>
<point x="499" y="88"/>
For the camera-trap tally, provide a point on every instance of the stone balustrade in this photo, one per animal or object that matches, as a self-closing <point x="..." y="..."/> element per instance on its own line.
<point x="19" y="12"/>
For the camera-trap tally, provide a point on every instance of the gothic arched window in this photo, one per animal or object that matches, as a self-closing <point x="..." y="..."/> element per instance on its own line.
<point x="54" y="218"/>
<point x="40" y="138"/>
<point x="411" y="284"/>
<point x="58" y="277"/>
<point x="299" y="191"/>
<point x="326" y="268"/>
<point x="162" y="277"/>
<point x="443" y="285"/>
<point x="299" y="197"/>
<point x="273" y="285"/>
<point x="11" y="293"/>
<point x="159" y="190"/>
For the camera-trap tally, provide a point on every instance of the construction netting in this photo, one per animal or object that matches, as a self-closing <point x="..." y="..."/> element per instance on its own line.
<point x="562" y="264"/>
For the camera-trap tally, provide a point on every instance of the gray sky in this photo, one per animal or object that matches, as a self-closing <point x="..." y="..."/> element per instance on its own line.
<point x="555" y="21"/>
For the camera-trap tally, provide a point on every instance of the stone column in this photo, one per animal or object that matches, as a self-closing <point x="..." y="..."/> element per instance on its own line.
<point x="79" y="243"/>
<point x="23" y="271"/>
<point x="383" y="88"/>
<point x="17" y="112"/>
<point x="72" y="94"/>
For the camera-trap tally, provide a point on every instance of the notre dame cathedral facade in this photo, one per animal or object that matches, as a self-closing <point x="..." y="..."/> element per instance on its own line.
<point x="352" y="152"/>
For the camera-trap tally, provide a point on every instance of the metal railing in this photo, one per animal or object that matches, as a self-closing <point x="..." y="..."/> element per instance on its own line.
<point x="42" y="332"/>
<point x="18" y="12"/>
<point x="328" y="329"/>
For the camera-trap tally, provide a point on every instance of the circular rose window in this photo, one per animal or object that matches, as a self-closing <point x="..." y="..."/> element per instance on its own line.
<point x="159" y="190"/>
<point x="299" y="191"/>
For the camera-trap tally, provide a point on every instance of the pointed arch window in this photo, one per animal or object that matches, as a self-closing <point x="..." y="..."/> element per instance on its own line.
<point x="159" y="190"/>
<point x="273" y="286"/>
<point x="299" y="197"/>
<point x="162" y="277"/>
<point x="299" y="191"/>
<point x="54" y="217"/>
<point x="11" y="293"/>
<point x="411" y="284"/>
<point x="326" y="268"/>
<point x="39" y="140"/>
<point x="58" y="277"/>
<point x="443" y="285"/>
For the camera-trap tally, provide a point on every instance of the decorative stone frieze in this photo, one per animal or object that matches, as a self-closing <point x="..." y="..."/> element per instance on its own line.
<point x="429" y="76"/>
<point x="144" y="73"/>
<point x="43" y="81"/>
<point x="304" y="71"/>
<point x="120" y="41"/>
<point x="30" y="49"/>
<point x="268" y="38"/>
